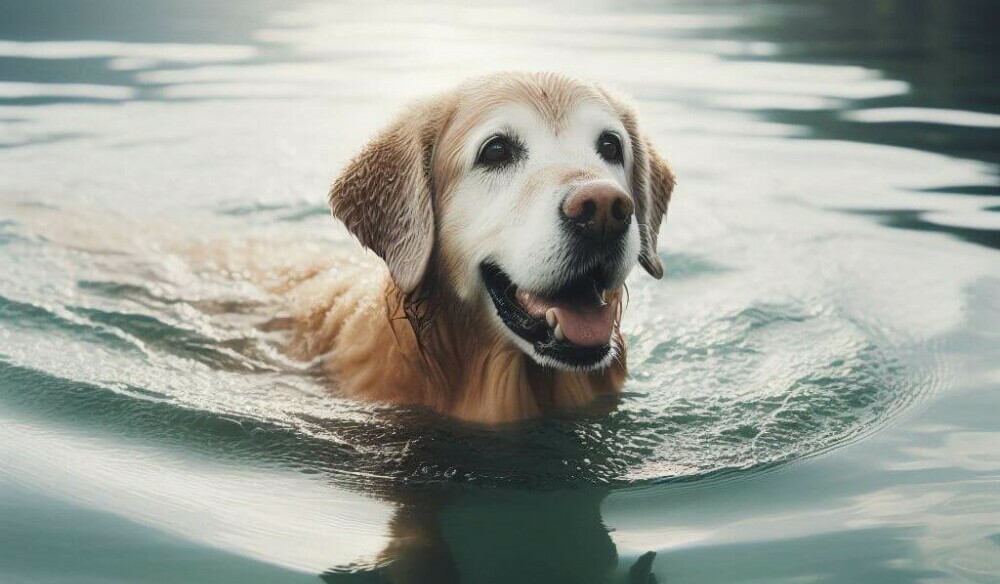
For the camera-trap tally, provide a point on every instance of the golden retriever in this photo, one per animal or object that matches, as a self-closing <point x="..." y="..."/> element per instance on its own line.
<point x="506" y="214"/>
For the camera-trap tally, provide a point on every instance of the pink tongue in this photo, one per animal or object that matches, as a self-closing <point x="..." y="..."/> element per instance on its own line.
<point x="587" y="328"/>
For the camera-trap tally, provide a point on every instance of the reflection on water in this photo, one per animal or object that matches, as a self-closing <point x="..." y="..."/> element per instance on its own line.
<point x="163" y="164"/>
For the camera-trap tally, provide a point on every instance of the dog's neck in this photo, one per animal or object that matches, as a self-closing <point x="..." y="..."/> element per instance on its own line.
<point x="485" y="376"/>
<point x="437" y="352"/>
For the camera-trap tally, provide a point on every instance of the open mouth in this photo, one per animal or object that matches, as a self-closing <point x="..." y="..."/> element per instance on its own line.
<point x="572" y="326"/>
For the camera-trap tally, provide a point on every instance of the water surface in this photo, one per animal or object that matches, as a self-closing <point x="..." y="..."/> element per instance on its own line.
<point x="813" y="388"/>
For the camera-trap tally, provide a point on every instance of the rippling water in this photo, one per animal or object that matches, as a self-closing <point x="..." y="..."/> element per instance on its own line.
<point x="811" y="383"/>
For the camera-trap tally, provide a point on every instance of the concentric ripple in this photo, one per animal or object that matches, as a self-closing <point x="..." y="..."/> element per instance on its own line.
<point x="175" y="344"/>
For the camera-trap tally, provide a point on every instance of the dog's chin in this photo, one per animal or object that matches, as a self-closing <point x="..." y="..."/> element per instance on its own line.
<point x="571" y="327"/>
<point x="561" y="355"/>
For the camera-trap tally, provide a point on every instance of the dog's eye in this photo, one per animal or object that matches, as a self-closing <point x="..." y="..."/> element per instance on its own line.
<point x="609" y="146"/>
<point x="499" y="151"/>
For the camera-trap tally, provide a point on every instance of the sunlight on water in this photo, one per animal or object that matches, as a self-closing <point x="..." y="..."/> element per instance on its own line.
<point x="70" y="90"/>
<point x="927" y="116"/>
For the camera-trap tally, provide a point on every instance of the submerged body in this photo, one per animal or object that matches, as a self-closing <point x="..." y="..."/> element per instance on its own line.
<point x="353" y="317"/>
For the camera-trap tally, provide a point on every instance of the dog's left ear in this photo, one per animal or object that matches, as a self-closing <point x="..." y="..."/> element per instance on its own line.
<point x="384" y="195"/>
<point x="651" y="180"/>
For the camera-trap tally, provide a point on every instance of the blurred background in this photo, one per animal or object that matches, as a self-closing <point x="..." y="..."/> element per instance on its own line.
<point x="814" y="384"/>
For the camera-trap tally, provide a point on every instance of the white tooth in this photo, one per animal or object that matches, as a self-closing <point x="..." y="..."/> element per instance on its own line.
<point x="550" y="317"/>
<point x="559" y="334"/>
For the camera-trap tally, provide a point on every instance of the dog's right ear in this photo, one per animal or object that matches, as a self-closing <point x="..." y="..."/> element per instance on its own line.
<point x="384" y="196"/>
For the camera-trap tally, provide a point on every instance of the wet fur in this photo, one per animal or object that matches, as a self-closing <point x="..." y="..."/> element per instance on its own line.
<point x="355" y="317"/>
<point x="399" y="330"/>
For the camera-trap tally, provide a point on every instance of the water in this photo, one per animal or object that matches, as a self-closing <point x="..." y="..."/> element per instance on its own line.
<point x="814" y="382"/>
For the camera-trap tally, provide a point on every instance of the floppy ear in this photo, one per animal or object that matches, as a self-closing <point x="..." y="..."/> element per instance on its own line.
<point x="653" y="190"/>
<point x="384" y="196"/>
<point x="652" y="183"/>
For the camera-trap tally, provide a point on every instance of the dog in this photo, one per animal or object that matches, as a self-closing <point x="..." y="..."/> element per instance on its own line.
<point x="505" y="215"/>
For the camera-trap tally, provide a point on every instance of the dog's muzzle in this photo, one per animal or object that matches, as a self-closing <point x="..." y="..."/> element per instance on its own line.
<point x="572" y="326"/>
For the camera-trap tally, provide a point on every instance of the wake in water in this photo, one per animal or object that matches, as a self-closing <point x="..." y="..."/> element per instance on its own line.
<point x="161" y="331"/>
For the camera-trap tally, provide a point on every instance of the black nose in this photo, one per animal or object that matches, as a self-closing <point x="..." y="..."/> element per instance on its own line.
<point x="599" y="211"/>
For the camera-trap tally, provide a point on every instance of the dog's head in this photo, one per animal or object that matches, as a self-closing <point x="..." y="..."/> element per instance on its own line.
<point x="532" y="197"/>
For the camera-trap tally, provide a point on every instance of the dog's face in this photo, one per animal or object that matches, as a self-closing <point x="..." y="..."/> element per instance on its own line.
<point x="537" y="193"/>
<point x="538" y="223"/>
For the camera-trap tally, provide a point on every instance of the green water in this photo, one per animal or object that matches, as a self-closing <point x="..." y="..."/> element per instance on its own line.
<point x="814" y="384"/>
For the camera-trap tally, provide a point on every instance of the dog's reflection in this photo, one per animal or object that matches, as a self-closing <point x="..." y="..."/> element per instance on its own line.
<point x="501" y="537"/>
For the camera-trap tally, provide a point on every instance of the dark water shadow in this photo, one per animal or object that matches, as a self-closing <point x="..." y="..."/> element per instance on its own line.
<point x="499" y="537"/>
<point x="974" y="190"/>
<point x="914" y="221"/>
